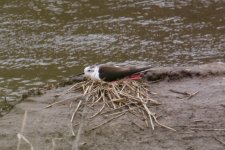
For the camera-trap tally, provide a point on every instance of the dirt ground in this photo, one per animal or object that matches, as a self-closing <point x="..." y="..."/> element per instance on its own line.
<point x="192" y="102"/>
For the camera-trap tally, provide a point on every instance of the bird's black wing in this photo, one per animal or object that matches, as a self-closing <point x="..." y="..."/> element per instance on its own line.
<point x="112" y="73"/>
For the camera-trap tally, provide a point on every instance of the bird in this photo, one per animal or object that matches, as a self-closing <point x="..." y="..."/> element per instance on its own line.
<point x="110" y="73"/>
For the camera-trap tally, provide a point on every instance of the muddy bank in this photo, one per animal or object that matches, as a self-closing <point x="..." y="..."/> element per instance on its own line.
<point x="192" y="102"/>
<point x="175" y="73"/>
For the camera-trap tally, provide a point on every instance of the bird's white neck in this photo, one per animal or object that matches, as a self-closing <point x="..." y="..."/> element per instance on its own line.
<point x="95" y="74"/>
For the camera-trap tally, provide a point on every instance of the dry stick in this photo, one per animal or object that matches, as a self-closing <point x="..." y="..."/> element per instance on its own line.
<point x="77" y="140"/>
<point x="219" y="140"/>
<point x="193" y="95"/>
<point x="139" y="126"/>
<point x="75" y="110"/>
<point x="162" y="124"/>
<point x="122" y="112"/>
<point x="58" y="102"/>
<point x="86" y="90"/>
<point x="110" y="98"/>
<point x="53" y="144"/>
<point x="132" y="89"/>
<point x="77" y="86"/>
<point x="129" y="96"/>
<point x="131" y="86"/>
<point x="108" y="111"/>
<point x="106" y="122"/>
<point x="132" y="111"/>
<point x="104" y="100"/>
<point x="57" y="95"/>
<point x="101" y="97"/>
<point x="90" y="88"/>
<point x="138" y="93"/>
<point x="150" y="99"/>
<point x="93" y="103"/>
<point x="118" y="100"/>
<point x="87" y="87"/>
<point x="22" y="129"/>
<point x="143" y="92"/>
<point x="20" y="135"/>
<point x="153" y="101"/>
<point x="123" y="87"/>
<point x="98" y="112"/>
<point x="146" y="120"/>
<point x="202" y="129"/>
<point x="74" y="113"/>
<point x="115" y="91"/>
<point x="149" y="114"/>
<point x="83" y="88"/>
<point x="152" y="115"/>
<point x="24" y="122"/>
<point x="178" y="92"/>
<point x="71" y="103"/>
<point x="96" y="90"/>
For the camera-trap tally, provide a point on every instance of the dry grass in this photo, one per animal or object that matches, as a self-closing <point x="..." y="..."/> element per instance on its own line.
<point x="123" y="96"/>
<point x="20" y="135"/>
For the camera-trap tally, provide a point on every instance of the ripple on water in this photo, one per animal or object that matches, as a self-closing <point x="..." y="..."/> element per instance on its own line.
<point x="44" y="41"/>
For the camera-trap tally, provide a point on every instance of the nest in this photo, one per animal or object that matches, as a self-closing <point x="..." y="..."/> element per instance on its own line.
<point x="119" y="97"/>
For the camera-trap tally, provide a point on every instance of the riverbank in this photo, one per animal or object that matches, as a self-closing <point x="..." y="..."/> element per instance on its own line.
<point x="192" y="102"/>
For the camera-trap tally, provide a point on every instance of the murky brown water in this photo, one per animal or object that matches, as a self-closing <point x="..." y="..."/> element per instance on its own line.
<point x="45" y="40"/>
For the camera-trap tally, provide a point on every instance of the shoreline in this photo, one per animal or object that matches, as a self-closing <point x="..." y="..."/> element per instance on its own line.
<point x="192" y="102"/>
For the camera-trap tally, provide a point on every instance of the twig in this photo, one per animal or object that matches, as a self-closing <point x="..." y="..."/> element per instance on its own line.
<point x="145" y="118"/>
<point x="154" y="101"/>
<point x="86" y="90"/>
<point x="121" y="107"/>
<point x="219" y="140"/>
<point x="140" y="127"/>
<point x="202" y="129"/>
<point x="193" y="95"/>
<point x="71" y="120"/>
<point x="98" y="111"/>
<point x="106" y="122"/>
<point x="73" y="115"/>
<point x="178" y="92"/>
<point x="94" y="102"/>
<point x="114" y="105"/>
<point x="58" y="102"/>
<point x="77" y="140"/>
<point x="131" y="111"/>
<point x="24" y="122"/>
<point x="162" y="124"/>
<point x="149" y="115"/>
<point x="20" y="135"/>
<point x="121" y="112"/>
<point x="76" y="84"/>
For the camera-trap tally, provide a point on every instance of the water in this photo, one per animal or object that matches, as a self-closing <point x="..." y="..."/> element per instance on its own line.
<point x="43" y="41"/>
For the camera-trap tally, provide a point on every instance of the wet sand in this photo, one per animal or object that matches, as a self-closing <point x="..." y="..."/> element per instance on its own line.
<point x="192" y="102"/>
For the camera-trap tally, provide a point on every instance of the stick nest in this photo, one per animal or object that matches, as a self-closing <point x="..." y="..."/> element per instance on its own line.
<point x="124" y="95"/>
<point x="117" y="97"/>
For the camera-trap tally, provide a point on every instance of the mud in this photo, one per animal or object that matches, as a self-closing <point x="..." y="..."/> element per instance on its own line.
<point x="192" y="102"/>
